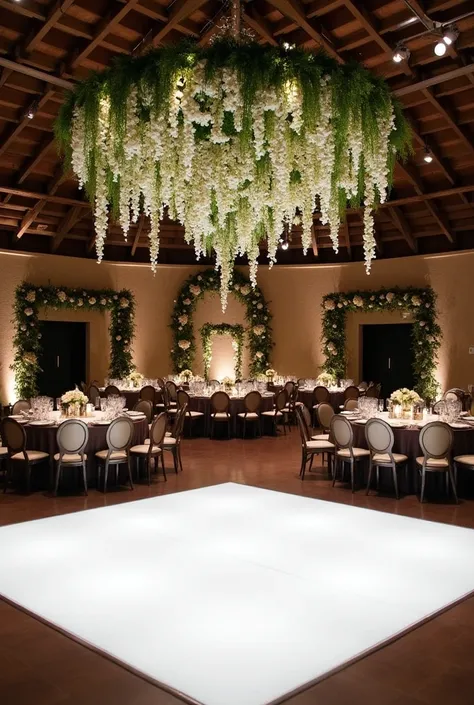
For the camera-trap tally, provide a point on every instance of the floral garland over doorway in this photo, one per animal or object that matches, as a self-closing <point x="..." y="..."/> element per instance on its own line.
<point x="236" y="331"/>
<point x="426" y="336"/>
<point x="258" y="317"/>
<point x="27" y="341"/>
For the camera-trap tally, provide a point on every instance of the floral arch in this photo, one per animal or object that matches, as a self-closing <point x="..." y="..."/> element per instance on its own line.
<point x="257" y="315"/>
<point x="426" y="337"/>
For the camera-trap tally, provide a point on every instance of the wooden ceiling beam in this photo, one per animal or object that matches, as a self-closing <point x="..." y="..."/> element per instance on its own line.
<point x="36" y="73"/>
<point x="314" y="242"/>
<point x="434" y="80"/>
<point x="180" y="10"/>
<point x="346" y="236"/>
<point x="71" y="219"/>
<point x="136" y="239"/>
<point x="401" y="223"/>
<point x="445" y="110"/>
<point x="56" y="10"/>
<point x="24" y="122"/>
<point x="29" y="218"/>
<point x="31" y="165"/>
<point x="27" y="8"/>
<point x="259" y="24"/>
<point x="295" y="10"/>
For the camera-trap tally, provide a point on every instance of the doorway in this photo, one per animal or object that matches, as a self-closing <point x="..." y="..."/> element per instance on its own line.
<point x="63" y="357"/>
<point x="387" y="356"/>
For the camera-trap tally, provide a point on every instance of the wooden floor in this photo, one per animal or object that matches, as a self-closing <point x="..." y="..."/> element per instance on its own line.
<point x="432" y="665"/>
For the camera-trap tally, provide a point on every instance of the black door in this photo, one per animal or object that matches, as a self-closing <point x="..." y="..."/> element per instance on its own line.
<point x="63" y="358"/>
<point x="387" y="356"/>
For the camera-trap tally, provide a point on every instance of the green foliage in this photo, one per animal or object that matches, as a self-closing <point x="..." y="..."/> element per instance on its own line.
<point x="258" y="317"/>
<point x="27" y="341"/>
<point x="236" y="331"/>
<point x="426" y="335"/>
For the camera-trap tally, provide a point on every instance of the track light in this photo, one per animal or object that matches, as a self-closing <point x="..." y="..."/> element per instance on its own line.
<point x="285" y="245"/>
<point x="440" y="48"/>
<point x="450" y="34"/>
<point x="401" y="53"/>
<point x="31" y="112"/>
<point x="428" y="157"/>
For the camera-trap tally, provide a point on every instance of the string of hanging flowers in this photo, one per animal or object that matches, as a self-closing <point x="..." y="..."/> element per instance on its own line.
<point x="235" y="140"/>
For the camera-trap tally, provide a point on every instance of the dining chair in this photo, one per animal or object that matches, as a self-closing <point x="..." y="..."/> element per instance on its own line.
<point x="309" y="447"/>
<point x="220" y="405"/>
<point x="289" y="410"/>
<point x="343" y="436"/>
<point x="19" y="406"/>
<point x="324" y="414"/>
<point x="277" y="413"/>
<point x="183" y="399"/>
<point x="460" y="461"/>
<point x="320" y="395"/>
<point x="301" y="382"/>
<point x="436" y="442"/>
<point x="380" y="439"/>
<point x="112" y="391"/>
<point x="153" y="450"/>
<point x="148" y="393"/>
<point x="119" y="439"/>
<point x="172" y="393"/>
<point x="94" y="395"/>
<point x="145" y="406"/>
<point x="72" y="437"/>
<point x="252" y="404"/>
<point x="371" y="392"/>
<point x="172" y="441"/>
<point x="306" y="416"/>
<point x="351" y="392"/>
<point x="14" y="438"/>
<point x="350" y="404"/>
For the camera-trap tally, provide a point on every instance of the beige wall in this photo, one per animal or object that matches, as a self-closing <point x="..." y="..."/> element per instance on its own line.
<point x="294" y="293"/>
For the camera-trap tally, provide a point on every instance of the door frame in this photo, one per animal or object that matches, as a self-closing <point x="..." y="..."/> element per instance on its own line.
<point x="403" y="322"/>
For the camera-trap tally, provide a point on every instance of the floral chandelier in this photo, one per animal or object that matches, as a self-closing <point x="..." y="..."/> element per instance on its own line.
<point x="236" y="141"/>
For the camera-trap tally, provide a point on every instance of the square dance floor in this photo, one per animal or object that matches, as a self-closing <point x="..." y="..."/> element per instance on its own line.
<point x="233" y="595"/>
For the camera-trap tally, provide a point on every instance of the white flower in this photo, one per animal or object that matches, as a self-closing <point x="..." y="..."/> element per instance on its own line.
<point x="259" y="306"/>
<point x="31" y="296"/>
<point x="422" y="324"/>
<point x="259" y="354"/>
<point x="372" y="298"/>
<point x="80" y="302"/>
<point x="199" y="279"/>
<point x="29" y="312"/>
<point x="339" y="305"/>
<point x="358" y="301"/>
<point x="186" y="302"/>
<point x="259" y="330"/>
<point x="62" y="296"/>
<point x="184" y="344"/>
<point x="30" y="358"/>
<point x="416" y="301"/>
<point x="329" y="305"/>
<point x="118" y="338"/>
<point x="245" y="290"/>
<point x="390" y="296"/>
<point x="183" y="319"/>
<point x="92" y="300"/>
<point x="427" y="305"/>
<point x="23" y="327"/>
<point x="195" y="289"/>
<point x="103" y="302"/>
<point x="334" y="325"/>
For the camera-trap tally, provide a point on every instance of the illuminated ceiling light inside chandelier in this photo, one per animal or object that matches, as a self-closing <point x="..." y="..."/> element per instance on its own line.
<point x="233" y="140"/>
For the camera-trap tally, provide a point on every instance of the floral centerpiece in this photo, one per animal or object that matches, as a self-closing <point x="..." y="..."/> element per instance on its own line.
<point x="405" y="399"/>
<point x="135" y="378"/>
<point x="186" y="375"/>
<point x="326" y="380"/>
<point x="228" y="383"/>
<point x="270" y="374"/>
<point x="73" y="403"/>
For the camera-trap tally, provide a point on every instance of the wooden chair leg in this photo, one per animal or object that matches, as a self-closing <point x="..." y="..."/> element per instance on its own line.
<point x="423" y="478"/>
<point x="395" y="480"/>
<point x="369" y="479"/>
<point x="163" y="465"/>
<point x="56" y="480"/>
<point x="453" y="485"/>
<point x="129" y="466"/>
<point x="84" y="477"/>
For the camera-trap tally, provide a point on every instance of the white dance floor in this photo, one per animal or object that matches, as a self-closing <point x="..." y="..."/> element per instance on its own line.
<point x="233" y="595"/>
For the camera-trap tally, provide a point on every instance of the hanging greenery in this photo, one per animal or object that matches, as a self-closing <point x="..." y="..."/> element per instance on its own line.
<point x="208" y="330"/>
<point x="235" y="140"/>
<point x="258" y="317"/>
<point x="426" y="333"/>
<point x="27" y="342"/>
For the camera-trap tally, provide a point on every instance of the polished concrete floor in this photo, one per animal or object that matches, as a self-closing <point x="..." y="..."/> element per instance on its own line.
<point x="432" y="665"/>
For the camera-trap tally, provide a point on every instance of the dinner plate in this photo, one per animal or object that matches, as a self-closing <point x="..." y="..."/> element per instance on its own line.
<point x="17" y="417"/>
<point x="101" y="422"/>
<point x="41" y="423"/>
<point x="135" y="413"/>
<point x="349" y="413"/>
<point x="361" y="421"/>
<point x="457" y="424"/>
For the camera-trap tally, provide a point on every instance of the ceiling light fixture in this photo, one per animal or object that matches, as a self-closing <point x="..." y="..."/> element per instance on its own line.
<point x="450" y="34"/>
<point x="285" y="245"/>
<point x="440" y="48"/>
<point x="31" y="112"/>
<point x="401" y="53"/>
<point x="428" y="157"/>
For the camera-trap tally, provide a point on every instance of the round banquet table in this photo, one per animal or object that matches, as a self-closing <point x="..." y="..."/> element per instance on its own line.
<point x="44" y="438"/>
<point x="132" y="396"/>
<point x="336" y="399"/>
<point x="203" y="404"/>
<point x="406" y="441"/>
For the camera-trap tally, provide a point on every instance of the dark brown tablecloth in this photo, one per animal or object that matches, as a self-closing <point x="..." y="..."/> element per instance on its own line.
<point x="336" y="399"/>
<point x="406" y="441"/>
<point x="203" y="404"/>
<point x="44" y="438"/>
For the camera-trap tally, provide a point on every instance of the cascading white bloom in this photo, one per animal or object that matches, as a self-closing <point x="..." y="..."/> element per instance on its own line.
<point x="232" y="175"/>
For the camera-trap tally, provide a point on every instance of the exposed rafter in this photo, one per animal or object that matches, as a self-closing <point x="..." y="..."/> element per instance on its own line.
<point x="401" y="223"/>
<point x="70" y="220"/>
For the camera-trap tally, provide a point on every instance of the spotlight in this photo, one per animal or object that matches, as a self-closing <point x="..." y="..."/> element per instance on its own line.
<point x="401" y="53"/>
<point x="428" y="157"/>
<point x="285" y="244"/>
<point x="440" y="49"/>
<point x="450" y="34"/>
<point x="31" y="112"/>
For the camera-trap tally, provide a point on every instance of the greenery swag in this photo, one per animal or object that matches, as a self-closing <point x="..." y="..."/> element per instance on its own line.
<point x="237" y="140"/>
<point x="258" y="317"/>
<point x="27" y="342"/>
<point x="236" y="331"/>
<point x="426" y="336"/>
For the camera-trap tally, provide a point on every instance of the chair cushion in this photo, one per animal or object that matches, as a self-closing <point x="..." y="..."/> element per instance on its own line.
<point x="320" y="437"/>
<point x="114" y="456"/>
<point x="357" y="452"/>
<point x="33" y="455"/>
<point x="319" y="445"/>
<point x="385" y="458"/>
<point x="273" y="412"/>
<point x="144" y="449"/>
<point x="220" y="415"/>
<point x="168" y="442"/>
<point x="174" y="410"/>
<point x="463" y="459"/>
<point x="168" y="433"/>
<point x="3" y="451"/>
<point x="194" y="413"/>
<point x="70" y="457"/>
<point x="440" y="463"/>
<point x="248" y="415"/>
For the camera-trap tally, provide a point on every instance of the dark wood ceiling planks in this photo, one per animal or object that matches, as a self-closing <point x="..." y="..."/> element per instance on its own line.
<point x="46" y="46"/>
